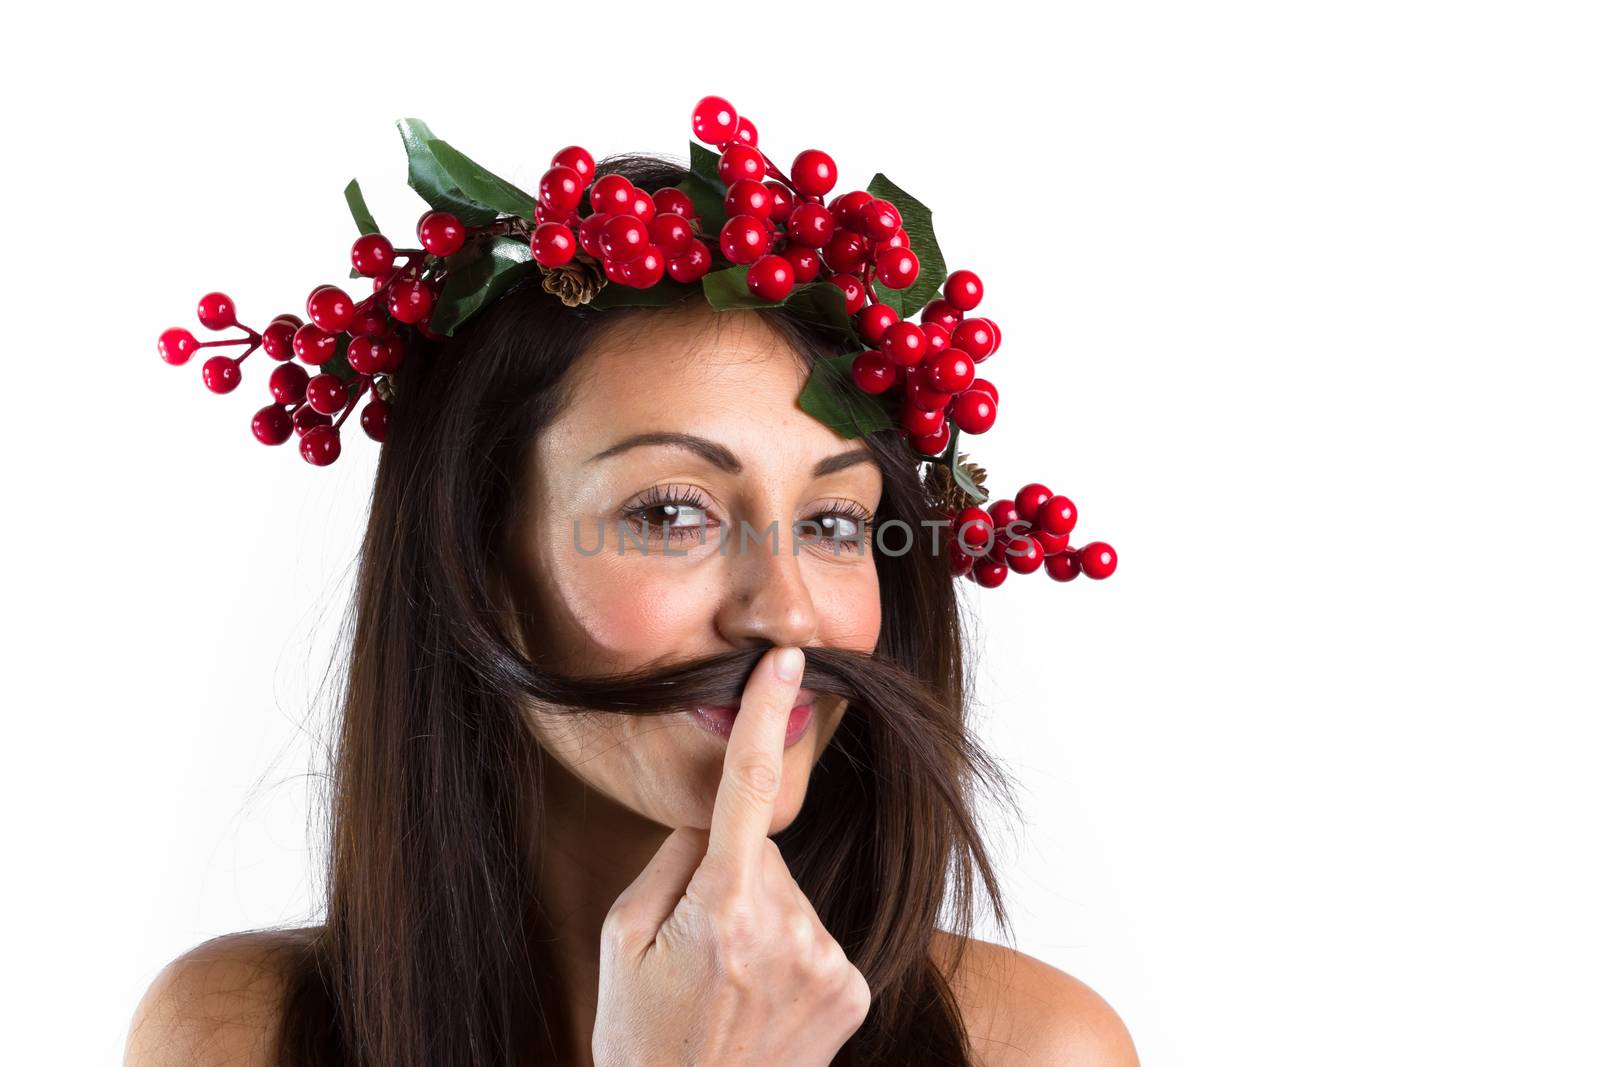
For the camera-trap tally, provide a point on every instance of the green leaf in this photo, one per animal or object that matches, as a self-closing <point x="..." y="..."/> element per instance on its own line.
<point x="480" y="185"/>
<point x="820" y="302"/>
<point x="358" y="208"/>
<point x="918" y="223"/>
<point x="831" y="397"/>
<point x="974" y="491"/>
<point x="661" y="294"/>
<point x="428" y="177"/>
<point x="703" y="165"/>
<point x="503" y="263"/>
<point x="705" y="189"/>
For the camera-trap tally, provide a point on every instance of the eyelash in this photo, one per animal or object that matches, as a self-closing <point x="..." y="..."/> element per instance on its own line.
<point x="661" y="496"/>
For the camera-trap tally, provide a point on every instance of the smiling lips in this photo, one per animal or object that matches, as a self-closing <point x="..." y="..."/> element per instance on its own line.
<point x="719" y="720"/>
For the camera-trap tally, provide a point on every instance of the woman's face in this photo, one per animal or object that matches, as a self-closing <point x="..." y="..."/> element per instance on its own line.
<point x="747" y="457"/>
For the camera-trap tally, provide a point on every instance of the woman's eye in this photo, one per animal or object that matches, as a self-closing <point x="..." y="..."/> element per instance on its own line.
<point x="839" y="528"/>
<point x="676" y="520"/>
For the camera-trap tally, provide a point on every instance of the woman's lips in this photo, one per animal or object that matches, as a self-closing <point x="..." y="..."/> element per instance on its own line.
<point x="720" y="720"/>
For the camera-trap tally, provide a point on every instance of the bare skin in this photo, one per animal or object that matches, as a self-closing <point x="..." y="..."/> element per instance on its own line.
<point x="631" y="795"/>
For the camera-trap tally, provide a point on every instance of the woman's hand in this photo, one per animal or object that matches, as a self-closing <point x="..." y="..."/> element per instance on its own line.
<point x="713" y="954"/>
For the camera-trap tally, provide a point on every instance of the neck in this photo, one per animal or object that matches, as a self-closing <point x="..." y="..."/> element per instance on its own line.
<point x="590" y="849"/>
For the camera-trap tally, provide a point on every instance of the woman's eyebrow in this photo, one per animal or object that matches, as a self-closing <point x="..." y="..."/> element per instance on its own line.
<point x="720" y="456"/>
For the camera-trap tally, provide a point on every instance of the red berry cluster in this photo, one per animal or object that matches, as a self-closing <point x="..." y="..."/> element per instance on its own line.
<point x="637" y="237"/>
<point x="369" y="334"/>
<point x="1022" y="534"/>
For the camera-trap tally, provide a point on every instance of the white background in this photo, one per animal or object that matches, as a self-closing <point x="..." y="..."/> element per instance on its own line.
<point x="1299" y="305"/>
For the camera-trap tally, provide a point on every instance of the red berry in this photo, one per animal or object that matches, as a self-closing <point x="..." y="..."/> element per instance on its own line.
<point x="783" y="202"/>
<point x="272" y="425"/>
<point x="320" y="445"/>
<point x="641" y="205"/>
<point x="277" y="340"/>
<point x="313" y="345"/>
<point x="375" y="419"/>
<point x="975" y="530"/>
<point x="394" y="353"/>
<point x="986" y="386"/>
<point x="814" y="173"/>
<point x="672" y="232"/>
<point x="692" y="265"/>
<point x="1058" y="515"/>
<point x="963" y="289"/>
<point x="561" y="189"/>
<point x="645" y="269"/>
<point x="371" y="320"/>
<point x="944" y="313"/>
<point x="974" y="411"/>
<point x="623" y="238"/>
<point x="1097" y="559"/>
<point x="874" y="320"/>
<point x="221" y="374"/>
<point x="846" y="208"/>
<point x="938" y="338"/>
<point x="807" y="264"/>
<point x="1024" y="554"/>
<point x="307" y="418"/>
<point x="810" y="224"/>
<point x="288" y="383"/>
<point x="744" y="239"/>
<point x="1030" y="498"/>
<point x="216" y="311"/>
<point x="951" y="371"/>
<point x="326" y="393"/>
<point x="989" y="572"/>
<point x="611" y="195"/>
<point x="905" y="343"/>
<point x="975" y="336"/>
<point x="845" y="251"/>
<point x="441" y="233"/>
<point x="1054" y="544"/>
<point x="771" y="278"/>
<point x="578" y="159"/>
<point x="672" y="200"/>
<point x="1003" y="513"/>
<point x="746" y="197"/>
<point x="897" y="268"/>
<point x="994" y="326"/>
<point x="746" y="132"/>
<point x="872" y="373"/>
<point x="372" y="254"/>
<point x="960" y="562"/>
<point x="365" y="355"/>
<point x="879" y="219"/>
<point x="921" y="393"/>
<point x="855" y="294"/>
<point x="932" y="444"/>
<point x="741" y="161"/>
<point x="920" y="422"/>
<point x="553" y="244"/>
<point x="410" y="302"/>
<point x="714" y="120"/>
<point x="177" y="345"/>
<point x="330" y="308"/>
<point x="1063" y="567"/>
<point x="589" y="234"/>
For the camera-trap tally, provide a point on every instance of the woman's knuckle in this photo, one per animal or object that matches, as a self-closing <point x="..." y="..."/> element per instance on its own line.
<point x="757" y="777"/>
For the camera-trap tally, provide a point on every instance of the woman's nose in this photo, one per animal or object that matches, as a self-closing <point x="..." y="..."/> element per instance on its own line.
<point x="768" y="599"/>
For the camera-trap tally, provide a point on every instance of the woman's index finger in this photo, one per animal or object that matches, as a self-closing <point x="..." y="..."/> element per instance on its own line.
<point x="752" y="769"/>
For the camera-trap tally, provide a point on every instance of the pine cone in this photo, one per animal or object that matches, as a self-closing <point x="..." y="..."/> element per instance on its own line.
<point x="941" y="487"/>
<point x="575" y="282"/>
<point x="384" y="387"/>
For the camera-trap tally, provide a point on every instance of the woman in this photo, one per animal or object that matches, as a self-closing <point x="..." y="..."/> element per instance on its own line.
<point x="553" y="840"/>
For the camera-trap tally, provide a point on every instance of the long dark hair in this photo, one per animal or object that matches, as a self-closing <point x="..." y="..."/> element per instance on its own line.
<point x="425" y="956"/>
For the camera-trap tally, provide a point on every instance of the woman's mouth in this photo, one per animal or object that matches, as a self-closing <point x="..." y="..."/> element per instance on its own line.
<point x="720" y="720"/>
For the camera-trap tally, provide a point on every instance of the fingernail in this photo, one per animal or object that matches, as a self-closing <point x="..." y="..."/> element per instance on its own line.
<point x="789" y="663"/>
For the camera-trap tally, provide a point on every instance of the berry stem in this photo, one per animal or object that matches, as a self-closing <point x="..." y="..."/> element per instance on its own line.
<point x="362" y="381"/>
<point x="778" y="174"/>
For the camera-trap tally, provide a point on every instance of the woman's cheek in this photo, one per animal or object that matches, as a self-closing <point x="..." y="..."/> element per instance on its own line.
<point x="633" y="613"/>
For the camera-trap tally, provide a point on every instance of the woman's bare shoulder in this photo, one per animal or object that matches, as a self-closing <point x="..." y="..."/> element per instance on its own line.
<point x="1022" y="1011"/>
<point x="218" y="1003"/>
